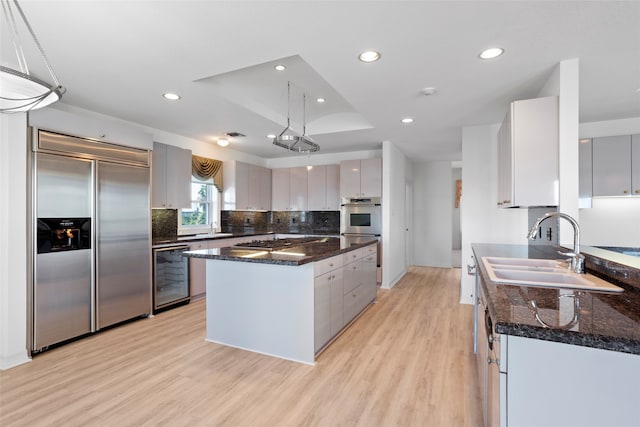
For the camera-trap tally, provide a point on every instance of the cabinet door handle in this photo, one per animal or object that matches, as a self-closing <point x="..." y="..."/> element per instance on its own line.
<point x="638" y="191"/>
<point x="625" y="192"/>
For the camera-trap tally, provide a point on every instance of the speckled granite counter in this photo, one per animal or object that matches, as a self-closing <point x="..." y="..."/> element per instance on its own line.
<point x="296" y="254"/>
<point x="606" y="321"/>
<point x="164" y="240"/>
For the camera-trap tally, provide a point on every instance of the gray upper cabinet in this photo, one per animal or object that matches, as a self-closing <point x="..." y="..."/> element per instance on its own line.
<point x="171" y="177"/>
<point x="612" y="166"/>
<point x="246" y="187"/>
<point x="585" y="172"/>
<point x="361" y="178"/>
<point x="323" y="184"/>
<point x="289" y="189"/>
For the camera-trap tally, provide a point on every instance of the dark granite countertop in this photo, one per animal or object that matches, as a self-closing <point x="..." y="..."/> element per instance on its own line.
<point x="198" y="237"/>
<point x="606" y="321"/>
<point x="293" y="255"/>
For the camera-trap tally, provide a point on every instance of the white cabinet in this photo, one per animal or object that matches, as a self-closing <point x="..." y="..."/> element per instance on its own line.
<point x="244" y="187"/>
<point x="528" y="154"/>
<point x="612" y="159"/>
<point x="323" y="188"/>
<point x="361" y="178"/>
<point x="289" y="189"/>
<point x="589" y="387"/>
<point x="170" y="177"/>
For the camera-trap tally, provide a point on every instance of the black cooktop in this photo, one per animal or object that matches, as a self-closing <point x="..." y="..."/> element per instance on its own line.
<point x="275" y="244"/>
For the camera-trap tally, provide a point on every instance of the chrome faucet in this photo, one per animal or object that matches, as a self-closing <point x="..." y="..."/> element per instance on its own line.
<point x="577" y="259"/>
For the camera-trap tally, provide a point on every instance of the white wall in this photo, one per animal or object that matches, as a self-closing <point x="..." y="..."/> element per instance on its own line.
<point x="564" y="83"/>
<point x="568" y="157"/>
<point x="432" y="214"/>
<point x="611" y="221"/>
<point x="13" y="245"/>
<point x="480" y="219"/>
<point x="396" y="172"/>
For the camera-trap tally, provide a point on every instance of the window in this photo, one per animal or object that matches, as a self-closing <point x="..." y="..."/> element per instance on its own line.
<point x="205" y="207"/>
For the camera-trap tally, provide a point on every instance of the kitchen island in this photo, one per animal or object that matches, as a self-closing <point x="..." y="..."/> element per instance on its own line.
<point x="287" y="298"/>
<point x="570" y="359"/>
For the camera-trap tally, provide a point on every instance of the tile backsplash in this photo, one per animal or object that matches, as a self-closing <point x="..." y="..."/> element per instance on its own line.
<point x="164" y="223"/>
<point x="298" y="222"/>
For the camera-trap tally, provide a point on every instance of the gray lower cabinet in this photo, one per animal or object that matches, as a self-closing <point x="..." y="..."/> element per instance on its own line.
<point x="197" y="272"/>
<point x="343" y="286"/>
<point x="322" y="310"/>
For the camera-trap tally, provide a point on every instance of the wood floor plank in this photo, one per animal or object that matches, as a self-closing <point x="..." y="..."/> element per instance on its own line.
<point x="407" y="361"/>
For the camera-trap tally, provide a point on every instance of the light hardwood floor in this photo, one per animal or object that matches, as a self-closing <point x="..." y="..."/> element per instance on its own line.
<point x="407" y="361"/>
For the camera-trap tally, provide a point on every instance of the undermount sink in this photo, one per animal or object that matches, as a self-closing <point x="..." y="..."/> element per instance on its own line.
<point x="544" y="273"/>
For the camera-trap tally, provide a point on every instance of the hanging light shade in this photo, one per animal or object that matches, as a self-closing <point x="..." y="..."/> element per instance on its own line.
<point x="286" y="139"/>
<point x="20" y="91"/>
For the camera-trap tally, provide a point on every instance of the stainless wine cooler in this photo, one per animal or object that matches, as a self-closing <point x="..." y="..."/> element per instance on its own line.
<point x="170" y="277"/>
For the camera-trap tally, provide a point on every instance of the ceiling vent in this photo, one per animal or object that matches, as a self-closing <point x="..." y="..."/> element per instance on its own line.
<point x="235" y="135"/>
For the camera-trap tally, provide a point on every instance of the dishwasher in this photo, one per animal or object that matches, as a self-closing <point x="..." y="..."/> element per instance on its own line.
<point x="170" y="277"/>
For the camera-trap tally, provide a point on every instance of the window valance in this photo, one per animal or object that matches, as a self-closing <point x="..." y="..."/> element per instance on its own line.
<point x="204" y="168"/>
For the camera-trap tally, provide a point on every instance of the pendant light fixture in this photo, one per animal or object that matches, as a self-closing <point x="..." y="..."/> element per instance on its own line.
<point x="20" y="91"/>
<point x="299" y="144"/>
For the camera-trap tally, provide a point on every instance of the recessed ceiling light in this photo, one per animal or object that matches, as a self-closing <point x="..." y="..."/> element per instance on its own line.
<point x="407" y="120"/>
<point x="428" y="91"/>
<point x="491" y="53"/>
<point x="320" y="100"/>
<point x="222" y="142"/>
<point x="280" y="67"/>
<point x="369" y="56"/>
<point x="271" y="136"/>
<point x="171" y="96"/>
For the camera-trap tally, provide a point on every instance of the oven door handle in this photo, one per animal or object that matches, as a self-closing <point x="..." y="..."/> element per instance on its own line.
<point x="360" y="235"/>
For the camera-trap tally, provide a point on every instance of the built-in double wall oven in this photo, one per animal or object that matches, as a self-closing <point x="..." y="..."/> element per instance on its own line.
<point x="361" y="220"/>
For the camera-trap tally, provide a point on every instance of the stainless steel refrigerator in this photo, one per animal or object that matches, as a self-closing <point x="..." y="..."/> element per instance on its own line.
<point x="92" y="238"/>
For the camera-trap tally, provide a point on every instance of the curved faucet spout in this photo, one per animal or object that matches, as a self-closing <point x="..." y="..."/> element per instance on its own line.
<point x="577" y="259"/>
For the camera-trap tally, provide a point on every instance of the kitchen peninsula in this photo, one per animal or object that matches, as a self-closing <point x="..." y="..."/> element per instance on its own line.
<point x="287" y="297"/>
<point x="557" y="357"/>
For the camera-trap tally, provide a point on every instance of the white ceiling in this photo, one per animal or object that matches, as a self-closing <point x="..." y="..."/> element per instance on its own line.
<point x="119" y="57"/>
